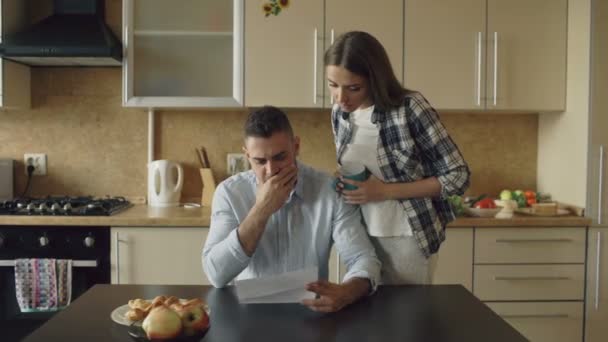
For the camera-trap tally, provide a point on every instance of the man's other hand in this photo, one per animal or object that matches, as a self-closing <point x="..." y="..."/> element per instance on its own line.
<point x="333" y="297"/>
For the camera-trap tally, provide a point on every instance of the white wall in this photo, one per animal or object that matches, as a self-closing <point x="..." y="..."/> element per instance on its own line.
<point x="563" y="137"/>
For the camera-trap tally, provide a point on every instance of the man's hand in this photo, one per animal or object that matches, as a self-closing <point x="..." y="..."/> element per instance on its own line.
<point x="334" y="297"/>
<point x="273" y="193"/>
<point x="370" y="190"/>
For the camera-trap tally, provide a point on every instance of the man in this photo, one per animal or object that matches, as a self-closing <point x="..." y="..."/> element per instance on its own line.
<point x="283" y="216"/>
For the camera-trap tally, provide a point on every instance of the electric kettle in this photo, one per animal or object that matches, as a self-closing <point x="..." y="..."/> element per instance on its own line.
<point x="165" y="181"/>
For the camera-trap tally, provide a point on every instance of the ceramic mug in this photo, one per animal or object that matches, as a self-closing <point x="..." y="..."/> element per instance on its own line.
<point x="352" y="171"/>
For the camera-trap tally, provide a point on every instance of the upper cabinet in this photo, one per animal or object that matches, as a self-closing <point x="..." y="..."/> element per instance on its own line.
<point x="383" y="20"/>
<point x="487" y="54"/>
<point x="283" y="65"/>
<point x="14" y="77"/>
<point x="284" y="59"/>
<point x="183" y="53"/>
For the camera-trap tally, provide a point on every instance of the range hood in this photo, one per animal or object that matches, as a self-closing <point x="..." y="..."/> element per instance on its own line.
<point x="74" y="35"/>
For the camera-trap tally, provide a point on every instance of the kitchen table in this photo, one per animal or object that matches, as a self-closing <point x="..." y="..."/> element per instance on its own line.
<point x="394" y="313"/>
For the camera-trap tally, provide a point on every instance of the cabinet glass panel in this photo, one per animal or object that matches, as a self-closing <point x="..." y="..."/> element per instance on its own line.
<point x="192" y="15"/>
<point x="183" y="53"/>
<point x="183" y="66"/>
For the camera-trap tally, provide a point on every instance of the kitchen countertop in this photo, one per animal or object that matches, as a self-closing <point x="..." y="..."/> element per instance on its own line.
<point x="143" y="216"/>
<point x="137" y="215"/>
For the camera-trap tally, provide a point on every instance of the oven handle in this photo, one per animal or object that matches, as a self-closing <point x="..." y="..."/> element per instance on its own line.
<point x="75" y="263"/>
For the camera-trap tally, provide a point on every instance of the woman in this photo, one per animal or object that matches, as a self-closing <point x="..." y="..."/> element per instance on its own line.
<point x="413" y="163"/>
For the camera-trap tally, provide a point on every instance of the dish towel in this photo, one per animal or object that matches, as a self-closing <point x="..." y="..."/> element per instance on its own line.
<point x="43" y="284"/>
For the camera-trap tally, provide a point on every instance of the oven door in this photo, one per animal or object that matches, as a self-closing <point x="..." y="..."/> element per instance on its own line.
<point x="14" y="324"/>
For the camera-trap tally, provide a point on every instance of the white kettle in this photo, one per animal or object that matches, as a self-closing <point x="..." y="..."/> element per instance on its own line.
<point x="165" y="181"/>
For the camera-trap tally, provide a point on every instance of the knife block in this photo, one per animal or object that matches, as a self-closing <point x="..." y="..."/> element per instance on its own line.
<point x="208" y="187"/>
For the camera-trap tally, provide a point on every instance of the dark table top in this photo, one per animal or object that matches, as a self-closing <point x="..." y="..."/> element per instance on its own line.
<point x="395" y="313"/>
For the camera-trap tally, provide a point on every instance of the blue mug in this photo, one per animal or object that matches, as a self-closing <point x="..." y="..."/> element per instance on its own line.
<point x="360" y="175"/>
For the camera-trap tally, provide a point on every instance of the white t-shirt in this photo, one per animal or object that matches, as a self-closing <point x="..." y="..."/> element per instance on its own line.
<point x="385" y="218"/>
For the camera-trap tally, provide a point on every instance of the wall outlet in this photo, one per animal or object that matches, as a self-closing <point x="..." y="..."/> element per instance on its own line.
<point x="38" y="160"/>
<point x="236" y="162"/>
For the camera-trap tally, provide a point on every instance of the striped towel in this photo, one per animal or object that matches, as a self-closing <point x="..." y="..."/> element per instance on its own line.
<point x="43" y="284"/>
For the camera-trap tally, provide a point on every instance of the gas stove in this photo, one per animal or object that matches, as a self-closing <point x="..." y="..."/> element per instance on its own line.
<point x="65" y="206"/>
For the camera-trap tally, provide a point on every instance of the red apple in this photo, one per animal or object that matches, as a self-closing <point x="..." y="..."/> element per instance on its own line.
<point x="194" y="318"/>
<point x="162" y="323"/>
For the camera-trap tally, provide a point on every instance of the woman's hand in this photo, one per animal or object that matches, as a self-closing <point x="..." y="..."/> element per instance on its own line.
<point x="370" y="190"/>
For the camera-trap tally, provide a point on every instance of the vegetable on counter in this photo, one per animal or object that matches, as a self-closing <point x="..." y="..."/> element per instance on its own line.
<point x="486" y="203"/>
<point x="457" y="204"/>
<point x="524" y="198"/>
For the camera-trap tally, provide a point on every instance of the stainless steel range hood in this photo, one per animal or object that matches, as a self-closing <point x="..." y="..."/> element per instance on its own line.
<point x="75" y="35"/>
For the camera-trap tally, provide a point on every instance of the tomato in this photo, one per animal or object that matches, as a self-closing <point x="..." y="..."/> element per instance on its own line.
<point x="486" y="203"/>
<point x="530" y="194"/>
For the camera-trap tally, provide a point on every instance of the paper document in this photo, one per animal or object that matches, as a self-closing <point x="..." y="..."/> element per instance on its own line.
<point x="288" y="287"/>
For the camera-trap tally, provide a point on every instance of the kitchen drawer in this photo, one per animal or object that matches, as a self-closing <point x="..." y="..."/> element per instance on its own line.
<point x="529" y="245"/>
<point x="529" y="282"/>
<point x="544" y="322"/>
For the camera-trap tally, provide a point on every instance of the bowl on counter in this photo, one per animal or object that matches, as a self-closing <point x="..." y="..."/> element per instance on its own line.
<point x="476" y="212"/>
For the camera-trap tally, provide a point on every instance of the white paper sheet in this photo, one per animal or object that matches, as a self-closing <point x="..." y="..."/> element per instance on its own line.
<point x="284" y="288"/>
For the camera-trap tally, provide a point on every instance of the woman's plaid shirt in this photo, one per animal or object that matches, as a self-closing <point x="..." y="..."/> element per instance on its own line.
<point x="413" y="144"/>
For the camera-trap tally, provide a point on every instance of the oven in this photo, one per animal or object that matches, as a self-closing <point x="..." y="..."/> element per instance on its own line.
<point x="87" y="247"/>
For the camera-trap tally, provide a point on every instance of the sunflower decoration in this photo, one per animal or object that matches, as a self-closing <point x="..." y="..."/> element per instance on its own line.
<point x="274" y="7"/>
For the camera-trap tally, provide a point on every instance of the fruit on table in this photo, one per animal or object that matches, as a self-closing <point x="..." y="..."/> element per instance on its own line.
<point x="506" y="195"/>
<point x="194" y="318"/>
<point x="486" y="203"/>
<point x="162" y="323"/>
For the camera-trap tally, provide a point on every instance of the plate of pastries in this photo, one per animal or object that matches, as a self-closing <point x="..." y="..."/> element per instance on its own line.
<point x="164" y="318"/>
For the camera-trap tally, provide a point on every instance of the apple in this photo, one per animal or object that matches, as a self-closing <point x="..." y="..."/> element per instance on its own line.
<point x="194" y="318"/>
<point x="162" y="323"/>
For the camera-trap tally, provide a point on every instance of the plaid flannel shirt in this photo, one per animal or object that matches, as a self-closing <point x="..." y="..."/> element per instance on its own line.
<point x="413" y="144"/>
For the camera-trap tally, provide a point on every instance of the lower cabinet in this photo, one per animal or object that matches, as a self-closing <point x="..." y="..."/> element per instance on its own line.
<point x="455" y="259"/>
<point x="544" y="321"/>
<point x="534" y="278"/>
<point x="158" y="255"/>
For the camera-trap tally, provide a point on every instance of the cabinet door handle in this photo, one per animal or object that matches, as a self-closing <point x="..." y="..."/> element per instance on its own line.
<point x="117" y="257"/>
<point x="478" y="69"/>
<point x="537" y="316"/>
<point x="495" y="68"/>
<point x="314" y="63"/>
<point x="600" y="186"/>
<point x="597" y="270"/>
<point x="331" y="98"/>
<point x="533" y="278"/>
<point x="531" y="240"/>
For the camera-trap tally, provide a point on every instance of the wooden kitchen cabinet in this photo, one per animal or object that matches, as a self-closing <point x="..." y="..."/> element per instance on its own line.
<point x="184" y="53"/>
<point x="383" y="20"/>
<point x="542" y="321"/>
<point x="455" y="259"/>
<point x="596" y="327"/>
<point x="14" y="77"/>
<point x="284" y="53"/>
<point x="534" y="277"/>
<point x="487" y="54"/>
<point x="158" y="255"/>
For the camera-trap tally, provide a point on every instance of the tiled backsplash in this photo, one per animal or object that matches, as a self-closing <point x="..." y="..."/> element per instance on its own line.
<point x="95" y="146"/>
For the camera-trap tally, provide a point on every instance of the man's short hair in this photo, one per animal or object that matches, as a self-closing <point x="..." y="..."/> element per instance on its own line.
<point x="266" y="121"/>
